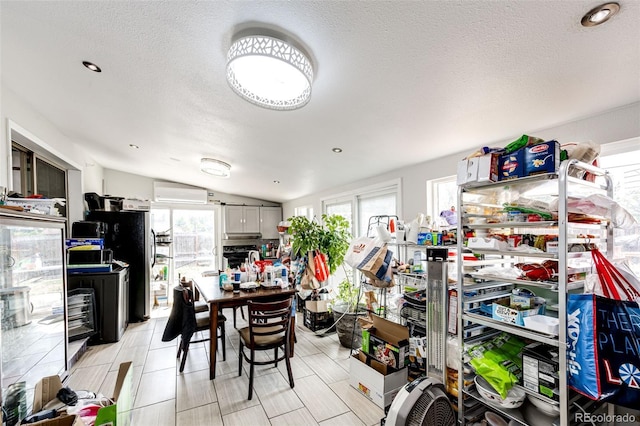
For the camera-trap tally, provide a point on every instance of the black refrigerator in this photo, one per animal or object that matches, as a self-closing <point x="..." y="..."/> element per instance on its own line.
<point x="128" y="234"/>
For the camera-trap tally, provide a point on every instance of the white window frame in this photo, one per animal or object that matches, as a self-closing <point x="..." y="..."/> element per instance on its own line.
<point x="433" y="186"/>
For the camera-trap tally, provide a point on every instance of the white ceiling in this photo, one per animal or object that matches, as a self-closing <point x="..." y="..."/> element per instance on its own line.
<point x="396" y="82"/>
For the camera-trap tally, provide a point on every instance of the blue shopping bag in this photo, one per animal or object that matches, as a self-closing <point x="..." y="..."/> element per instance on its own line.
<point x="603" y="359"/>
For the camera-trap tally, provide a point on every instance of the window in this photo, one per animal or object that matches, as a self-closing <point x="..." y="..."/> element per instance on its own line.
<point x="33" y="174"/>
<point x="442" y="194"/>
<point x="384" y="203"/>
<point x="621" y="162"/>
<point x="306" y="211"/>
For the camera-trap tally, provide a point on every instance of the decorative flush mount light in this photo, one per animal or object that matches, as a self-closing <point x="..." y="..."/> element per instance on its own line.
<point x="93" y="67"/>
<point x="337" y="150"/>
<point x="215" y="167"/>
<point x="269" y="72"/>
<point x="134" y="146"/>
<point x="599" y="15"/>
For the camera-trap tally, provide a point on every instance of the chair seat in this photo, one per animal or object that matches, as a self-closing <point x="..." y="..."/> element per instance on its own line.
<point x="202" y="320"/>
<point x="262" y="340"/>
<point x="201" y="306"/>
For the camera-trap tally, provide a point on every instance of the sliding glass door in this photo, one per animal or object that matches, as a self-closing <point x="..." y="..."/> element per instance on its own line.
<point x="186" y="246"/>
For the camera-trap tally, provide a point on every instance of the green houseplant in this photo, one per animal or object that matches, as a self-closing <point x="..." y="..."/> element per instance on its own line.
<point x="331" y="237"/>
<point x="346" y="308"/>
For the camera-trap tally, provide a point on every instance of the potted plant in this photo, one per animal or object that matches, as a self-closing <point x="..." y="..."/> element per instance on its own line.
<point x="346" y="308"/>
<point x="332" y="238"/>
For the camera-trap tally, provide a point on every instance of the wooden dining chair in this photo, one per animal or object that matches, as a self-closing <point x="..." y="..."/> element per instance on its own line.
<point x="269" y="328"/>
<point x="184" y="321"/>
<point x="235" y="308"/>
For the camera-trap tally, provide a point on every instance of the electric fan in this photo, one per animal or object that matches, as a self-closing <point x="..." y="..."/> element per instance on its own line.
<point x="422" y="402"/>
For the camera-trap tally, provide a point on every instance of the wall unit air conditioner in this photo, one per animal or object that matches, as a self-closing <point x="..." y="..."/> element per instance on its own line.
<point x="168" y="192"/>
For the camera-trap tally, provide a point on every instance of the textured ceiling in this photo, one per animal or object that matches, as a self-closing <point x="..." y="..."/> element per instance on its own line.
<point x="396" y="83"/>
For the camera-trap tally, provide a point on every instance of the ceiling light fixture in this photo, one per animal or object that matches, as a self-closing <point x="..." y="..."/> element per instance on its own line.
<point x="600" y="14"/>
<point x="337" y="150"/>
<point x="269" y="72"/>
<point x="215" y="167"/>
<point x="134" y="146"/>
<point x="93" y="67"/>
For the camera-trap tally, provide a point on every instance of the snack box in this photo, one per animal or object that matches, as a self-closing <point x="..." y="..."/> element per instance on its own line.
<point x="541" y="158"/>
<point x="511" y="166"/>
<point x="540" y="370"/>
<point x="387" y="342"/>
<point x="501" y="311"/>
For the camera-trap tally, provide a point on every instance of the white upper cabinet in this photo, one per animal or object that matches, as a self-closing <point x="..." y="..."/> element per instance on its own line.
<point x="241" y="219"/>
<point x="270" y="217"/>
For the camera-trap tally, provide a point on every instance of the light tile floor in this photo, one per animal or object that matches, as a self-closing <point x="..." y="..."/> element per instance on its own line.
<point x="164" y="397"/>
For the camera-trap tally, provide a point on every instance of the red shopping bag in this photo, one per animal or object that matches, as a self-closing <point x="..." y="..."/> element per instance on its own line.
<point x="613" y="283"/>
<point x="321" y="265"/>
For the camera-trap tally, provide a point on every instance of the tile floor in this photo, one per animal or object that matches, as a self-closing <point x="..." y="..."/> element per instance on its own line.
<point x="164" y="397"/>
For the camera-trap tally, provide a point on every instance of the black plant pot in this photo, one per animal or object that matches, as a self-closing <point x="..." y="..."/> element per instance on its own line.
<point x="348" y="327"/>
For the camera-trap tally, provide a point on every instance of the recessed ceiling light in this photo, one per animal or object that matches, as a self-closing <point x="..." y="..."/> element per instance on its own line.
<point x="600" y="14"/>
<point x="337" y="150"/>
<point x="93" y="67"/>
<point x="134" y="146"/>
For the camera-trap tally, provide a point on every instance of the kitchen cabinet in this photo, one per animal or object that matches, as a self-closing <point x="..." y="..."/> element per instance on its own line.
<point x="33" y="305"/>
<point x="479" y="288"/>
<point x="270" y="218"/>
<point x="241" y="219"/>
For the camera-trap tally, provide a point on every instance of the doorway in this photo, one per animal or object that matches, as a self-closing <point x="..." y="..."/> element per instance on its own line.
<point x="186" y="246"/>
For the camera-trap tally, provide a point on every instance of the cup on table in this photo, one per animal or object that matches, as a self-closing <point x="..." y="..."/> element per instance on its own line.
<point x="236" y="286"/>
<point x="237" y="276"/>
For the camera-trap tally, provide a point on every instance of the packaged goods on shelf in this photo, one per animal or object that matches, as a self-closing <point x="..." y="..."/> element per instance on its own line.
<point x="478" y="169"/>
<point x="46" y="206"/>
<point x="540" y="370"/>
<point x="500" y="310"/>
<point x="511" y="166"/>
<point x="542" y="158"/>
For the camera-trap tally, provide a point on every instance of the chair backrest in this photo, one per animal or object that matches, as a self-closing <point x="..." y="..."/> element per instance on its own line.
<point x="269" y="318"/>
<point x="177" y="318"/>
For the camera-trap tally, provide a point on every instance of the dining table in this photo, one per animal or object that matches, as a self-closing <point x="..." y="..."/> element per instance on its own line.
<point x="209" y="290"/>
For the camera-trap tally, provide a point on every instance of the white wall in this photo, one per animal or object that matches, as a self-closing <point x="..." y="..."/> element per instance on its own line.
<point x="34" y="129"/>
<point x="612" y="126"/>
<point x="121" y="184"/>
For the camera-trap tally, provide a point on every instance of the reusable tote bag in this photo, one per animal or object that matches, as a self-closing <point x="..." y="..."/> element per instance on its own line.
<point x="603" y="336"/>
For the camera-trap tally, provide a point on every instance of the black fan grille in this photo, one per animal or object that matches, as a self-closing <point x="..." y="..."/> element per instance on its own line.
<point x="432" y="409"/>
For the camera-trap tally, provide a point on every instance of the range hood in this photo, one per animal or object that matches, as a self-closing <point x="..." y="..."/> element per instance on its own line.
<point x="242" y="235"/>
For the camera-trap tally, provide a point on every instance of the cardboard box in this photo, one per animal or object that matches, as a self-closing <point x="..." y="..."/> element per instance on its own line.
<point x="540" y="370"/>
<point x="134" y="204"/>
<point x="478" y="170"/>
<point x="117" y="414"/>
<point x="63" y="420"/>
<point x="542" y="158"/>
<point x="511" y="166"/>
<point x="387" y="342"/>
<point x="375" y="380"/>
<point x="501" y="311"/>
